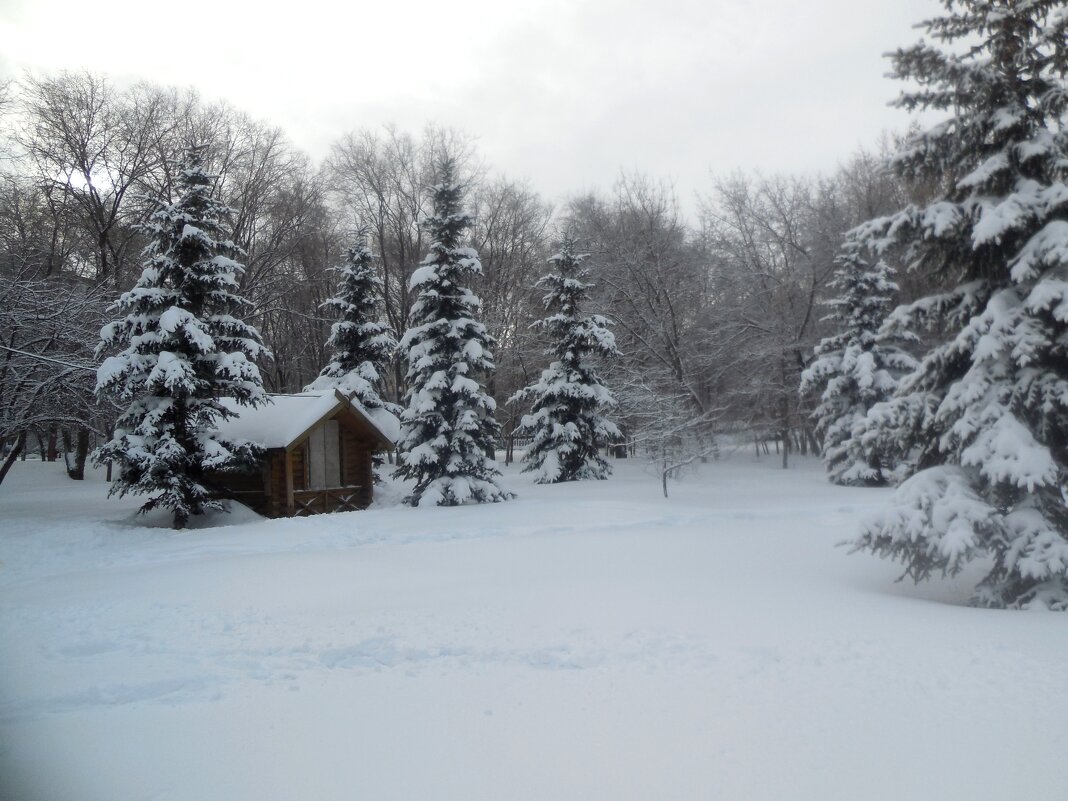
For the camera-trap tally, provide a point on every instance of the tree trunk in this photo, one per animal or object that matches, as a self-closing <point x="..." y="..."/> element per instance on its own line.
<point x="76" y="465"/>
<point x="104" y="268"/>
<point x="68" y="459"/>
<point x="110" y="434"/>
<point x="398" y="378"/>
<point x="18" y="448"/>
<point x="784" y="412"/>
<point x="813" y="443"/>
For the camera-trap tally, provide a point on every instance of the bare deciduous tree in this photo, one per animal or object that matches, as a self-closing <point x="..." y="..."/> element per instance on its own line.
<point x="772" y="252"/>
<point x="94" y="145"/>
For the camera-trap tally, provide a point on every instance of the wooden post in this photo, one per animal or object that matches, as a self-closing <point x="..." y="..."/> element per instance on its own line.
<point x="291" y="506"/>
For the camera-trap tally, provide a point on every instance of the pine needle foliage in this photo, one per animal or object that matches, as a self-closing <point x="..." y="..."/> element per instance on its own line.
<point x="448" y="429"/>
<point x="856" y="368"/>
<point x="985" y="412"/>
<point x="184" y="349"/>
<point x="567" y="423"/>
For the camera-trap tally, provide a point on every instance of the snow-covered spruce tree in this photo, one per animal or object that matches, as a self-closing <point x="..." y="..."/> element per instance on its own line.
<point x="448" y="426"/>
<point x="184" y="349"/>
<point x="857" y="368"/>
<point x="362" y="346"/>
<point x="989" y="405"/>
<point x="567" y="421"/>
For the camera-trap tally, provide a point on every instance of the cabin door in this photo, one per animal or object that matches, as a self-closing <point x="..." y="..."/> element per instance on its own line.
<point x="324" y="457"/>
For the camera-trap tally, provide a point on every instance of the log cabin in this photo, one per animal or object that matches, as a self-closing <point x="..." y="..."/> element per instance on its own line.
<point x="317" y="457"/>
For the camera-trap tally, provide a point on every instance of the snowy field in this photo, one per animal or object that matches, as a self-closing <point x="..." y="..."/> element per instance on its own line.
<point x="587" y="642"/>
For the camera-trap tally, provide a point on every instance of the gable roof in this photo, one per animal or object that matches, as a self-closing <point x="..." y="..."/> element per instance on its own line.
<point x="288" y="418"/>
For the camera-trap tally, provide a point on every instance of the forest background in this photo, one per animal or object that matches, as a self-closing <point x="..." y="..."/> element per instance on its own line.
<point x="716" y="312"/>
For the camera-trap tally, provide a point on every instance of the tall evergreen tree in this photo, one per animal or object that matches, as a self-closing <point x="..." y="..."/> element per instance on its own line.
<point x="185" y="349"/>
<point x="567" y="422"/>
<point x="857" y="368"/>
<point x="989" y="418"/>
<point x="448" y="427"/>
<point x="362" y="346"/>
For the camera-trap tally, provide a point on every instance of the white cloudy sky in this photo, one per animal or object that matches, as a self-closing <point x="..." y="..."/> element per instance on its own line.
<point x="562" y="92"/>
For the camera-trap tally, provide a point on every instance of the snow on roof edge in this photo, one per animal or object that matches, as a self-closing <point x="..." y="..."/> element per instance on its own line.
<point x="287" y="416"/>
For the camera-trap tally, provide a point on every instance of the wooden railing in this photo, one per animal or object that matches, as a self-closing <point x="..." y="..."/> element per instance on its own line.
<point x="338" y="499"/>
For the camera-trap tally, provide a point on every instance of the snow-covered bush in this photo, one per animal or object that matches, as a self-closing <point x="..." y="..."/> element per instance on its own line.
<point x="986" y="409"/>
<point x="184" y="348"/>
<point x="567" y="423"/>
<point x="448" y="431"/>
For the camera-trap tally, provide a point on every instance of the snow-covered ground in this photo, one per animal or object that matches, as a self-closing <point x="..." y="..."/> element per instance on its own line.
<point x="588" y="641"/>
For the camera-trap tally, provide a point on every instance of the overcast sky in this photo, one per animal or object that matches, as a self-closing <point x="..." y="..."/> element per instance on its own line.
<point x="562" y="92"/>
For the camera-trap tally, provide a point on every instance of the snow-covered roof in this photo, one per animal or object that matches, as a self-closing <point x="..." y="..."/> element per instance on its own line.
<point x="385" y="422"/>
<point x="287" y="417"/>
